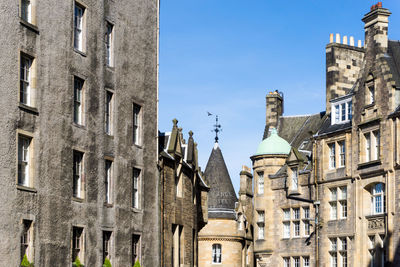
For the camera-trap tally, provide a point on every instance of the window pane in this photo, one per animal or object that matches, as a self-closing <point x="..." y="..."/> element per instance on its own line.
<point x="343" y="109"/>
<point x="78" y="22"/>
<point x="136" y="124"/>
<point x="286" y="214"/>
<point x="260" y="183"/>
<point x="350" y="110"/>
<point x="78" y="92"/>
<point x="337" y="113"/>
<point x="332" y="156"/>
<point x="295" y="181"/>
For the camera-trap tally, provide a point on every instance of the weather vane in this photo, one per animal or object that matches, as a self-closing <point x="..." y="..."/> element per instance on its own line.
<point x="217" y="127"/>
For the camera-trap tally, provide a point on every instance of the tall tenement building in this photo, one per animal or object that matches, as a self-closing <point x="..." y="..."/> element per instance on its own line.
<point x="327" y="186"/>
<point x="78" y="124"/>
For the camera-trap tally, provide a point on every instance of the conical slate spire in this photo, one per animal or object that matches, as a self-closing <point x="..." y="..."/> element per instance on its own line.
<point x="222" y="196"/>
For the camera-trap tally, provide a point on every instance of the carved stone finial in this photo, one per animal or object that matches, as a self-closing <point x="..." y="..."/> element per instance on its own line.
<point x="175" y="122"/>
<point x="190" y="134"/>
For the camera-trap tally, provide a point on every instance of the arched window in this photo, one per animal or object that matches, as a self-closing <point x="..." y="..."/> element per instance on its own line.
<point x="378" y="198"/>
<point x="216" y="253"/>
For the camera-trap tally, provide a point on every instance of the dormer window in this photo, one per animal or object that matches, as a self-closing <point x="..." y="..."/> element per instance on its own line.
<point x="341" y="111"/>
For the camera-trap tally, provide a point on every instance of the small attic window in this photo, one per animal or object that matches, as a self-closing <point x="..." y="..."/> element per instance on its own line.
<point x="303" y="144"/>
<point x="341" y="111"/>
<point x="370" y="90"/>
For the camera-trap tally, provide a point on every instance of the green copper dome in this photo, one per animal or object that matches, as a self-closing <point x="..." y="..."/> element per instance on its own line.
<point x="273" y="145"/>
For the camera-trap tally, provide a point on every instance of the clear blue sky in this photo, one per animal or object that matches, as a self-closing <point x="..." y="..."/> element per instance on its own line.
<point x="224" y="56"/>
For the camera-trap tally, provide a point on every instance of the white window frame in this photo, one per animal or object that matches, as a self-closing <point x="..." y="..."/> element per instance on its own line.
<point x="136" y="178"/>
<point x="216" y="253"/>
<point x="332" y="155"/>
<point x="341" y="111"/>
<point x="108" y="181"/>
<point x="296" y="222"/>
<point x="25" y="88"/>
<point x="109" y="111"/>
<point x="371" y="145"/>
<point x="26" y="10"/>
<point x="338" y="203"/>
<point x="376" y="143"/>
<point x="79" y="26"/>
<point x="306" y="221"/>
<point x="286" y="229"/>
<point x="260" y="187"/>
<point x="78" y="170"/>
<point x="306" y="261"/>
<point x="296" y="261"/>
<point x="24" y="160"/>
<point x="137" y="127"/>
<point x="79" y="98"/>
<point x="286" y="261"/>
<point x="109" y="44"/>
<point x="342" y="153"/>
<point x="295" y="179"/>
<point x="378" y="207"/>
<point x="261" y="224"/>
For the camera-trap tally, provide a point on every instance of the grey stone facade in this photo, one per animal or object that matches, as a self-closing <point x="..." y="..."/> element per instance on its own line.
<point x="183" y="199"/>
<point x="46" y="204"/>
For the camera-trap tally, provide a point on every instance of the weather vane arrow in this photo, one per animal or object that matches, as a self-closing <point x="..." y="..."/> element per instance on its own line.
<point x="217" y="126"/>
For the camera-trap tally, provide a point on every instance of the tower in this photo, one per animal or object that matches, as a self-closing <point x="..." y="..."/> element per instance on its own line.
<point x="223" y="240"/>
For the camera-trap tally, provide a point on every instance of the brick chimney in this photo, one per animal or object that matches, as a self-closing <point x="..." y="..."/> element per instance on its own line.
<point x="274" y="108"/>
<point x="376" y="28"/>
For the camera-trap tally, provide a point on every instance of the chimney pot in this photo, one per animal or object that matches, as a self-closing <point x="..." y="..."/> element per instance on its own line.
<point x="331" y="38"/>
<point x="345" y="40"/>
<point x="338" y="38"/>
<point x="351" y="40"/>
<point x="359" y="43"/>
<point x="379" y="4"/>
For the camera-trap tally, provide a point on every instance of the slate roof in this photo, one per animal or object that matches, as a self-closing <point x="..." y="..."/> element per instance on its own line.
<point x="222" y="196"/>
<point x="327" y="128"/>
<point x="298" y="130"/>
<point x="393" y="59"/>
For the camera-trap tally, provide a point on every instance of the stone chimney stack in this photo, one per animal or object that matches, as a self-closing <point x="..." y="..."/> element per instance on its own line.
<point x="246" y="183"/>
<point x="274" y="109"/>
<point x="343" y="63"/>
<point x="376" y="28"/>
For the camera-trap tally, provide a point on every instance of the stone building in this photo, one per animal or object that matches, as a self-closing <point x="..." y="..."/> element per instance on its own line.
<point x="226" y="240"/>
<point x="183" y="199"/>
<point x="79" y="134"/>
<point x="327" y="185"/>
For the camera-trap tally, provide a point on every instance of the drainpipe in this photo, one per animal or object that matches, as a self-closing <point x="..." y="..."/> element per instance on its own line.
<point x="316" y="204"/>
<point x="160" y="171"/>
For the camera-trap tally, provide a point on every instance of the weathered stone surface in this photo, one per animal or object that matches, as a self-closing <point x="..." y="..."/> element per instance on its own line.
<point x="133" y="79"/>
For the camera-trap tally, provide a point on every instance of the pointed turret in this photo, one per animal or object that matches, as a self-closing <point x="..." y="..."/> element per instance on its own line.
<point x="222" y="196"/>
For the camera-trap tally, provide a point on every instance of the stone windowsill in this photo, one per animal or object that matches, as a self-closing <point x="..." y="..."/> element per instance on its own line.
<point x="78" y="199"/>
<point x="80" y="126"/>
<point x="373" y="216"/>
<point x="29" y="26"/>
<point x="135" y="210"/>
<point x="27" y="108"/>
<point x="80" y="52"/>
<point x="26" y="188"/>
<point x="369" y="164"/>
